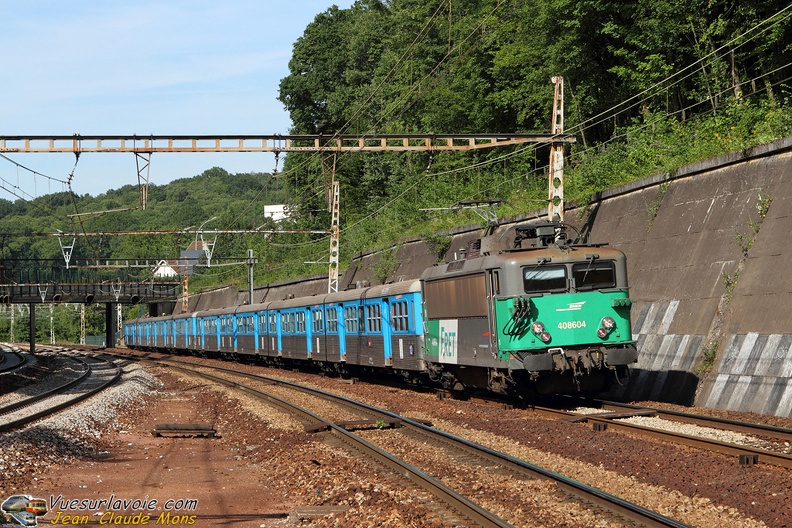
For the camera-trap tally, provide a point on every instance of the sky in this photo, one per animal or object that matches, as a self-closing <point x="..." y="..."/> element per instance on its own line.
<point x="145" y="67"/>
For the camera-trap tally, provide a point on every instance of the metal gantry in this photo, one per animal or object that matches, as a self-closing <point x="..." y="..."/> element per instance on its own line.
<point x="330" y="145"/>
<point x="275" y="143"/>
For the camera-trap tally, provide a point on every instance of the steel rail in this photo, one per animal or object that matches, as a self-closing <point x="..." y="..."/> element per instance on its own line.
<point x="465" y="507"/>
<point x="21" y="360"/>
<point x="623" y="508"/>
<point x="707" y="444"/>
<point x="63" y="405"/>
<point x="779" y="433"/>
<point x="30" y="400"/>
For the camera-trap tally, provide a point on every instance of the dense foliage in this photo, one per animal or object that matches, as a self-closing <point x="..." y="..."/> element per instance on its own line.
<point x="226" y="200"/>
<point x="650" y="85"/>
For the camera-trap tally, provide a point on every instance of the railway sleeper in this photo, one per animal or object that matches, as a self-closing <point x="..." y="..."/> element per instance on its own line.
<point x="184" y="429"/>
<point x="613" y="415"/>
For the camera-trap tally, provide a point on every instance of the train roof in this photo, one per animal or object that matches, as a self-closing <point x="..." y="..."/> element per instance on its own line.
<point x="524" y="257"/>
<point x="395" y="288"/>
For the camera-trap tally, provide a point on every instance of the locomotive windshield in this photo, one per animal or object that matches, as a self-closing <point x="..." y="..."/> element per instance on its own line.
<point x="590" y="275"/>
<point x="544" y="279"/>
<point x="594" y="275"/>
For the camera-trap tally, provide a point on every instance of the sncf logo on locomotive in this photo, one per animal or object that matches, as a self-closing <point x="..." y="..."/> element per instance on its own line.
<point x="575" y="306"/>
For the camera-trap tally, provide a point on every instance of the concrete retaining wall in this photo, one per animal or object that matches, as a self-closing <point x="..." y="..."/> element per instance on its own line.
<point x="711" y="277"/>
<point x="708" y="251"/>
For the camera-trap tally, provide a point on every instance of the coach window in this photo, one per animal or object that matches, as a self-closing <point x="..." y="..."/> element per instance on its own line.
<point x="351" y="319"/>
<point x="538" y="279"/>
<point x="273" y="323"/>
<point x="317" y="321"/>
<point x="594" y="275"/>
<point x="373" y="318"/>
<point x="332" y="319"/>
<point x="401" y="316"/>
<point x="300" y="322"/>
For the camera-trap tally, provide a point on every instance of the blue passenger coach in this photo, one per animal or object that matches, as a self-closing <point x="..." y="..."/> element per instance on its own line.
<point x="378" y="327"/>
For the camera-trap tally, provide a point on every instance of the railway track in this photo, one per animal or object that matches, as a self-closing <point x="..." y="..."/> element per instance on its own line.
<point x="611" y="415"/>
<point x="12" y="358"/>
<point x="777" y="433"/>
<point x="458" y="448"/>
<point x="90" y="375"/>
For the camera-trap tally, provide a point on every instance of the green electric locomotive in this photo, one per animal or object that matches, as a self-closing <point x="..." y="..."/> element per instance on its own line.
<point x="548" y="316"/>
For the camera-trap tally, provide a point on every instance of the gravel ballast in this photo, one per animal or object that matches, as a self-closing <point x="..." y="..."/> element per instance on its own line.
<point x="300" y="470"/>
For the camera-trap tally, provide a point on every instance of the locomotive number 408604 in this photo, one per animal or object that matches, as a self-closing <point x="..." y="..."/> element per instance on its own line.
<point x="566" y="325"/>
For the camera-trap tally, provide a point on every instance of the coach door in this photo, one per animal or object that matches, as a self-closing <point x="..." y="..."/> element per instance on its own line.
<point x="351" y="332"/>
<point x="318" y="334"/>
<point x="336" y="333"/>
<point x="387" y="333"/>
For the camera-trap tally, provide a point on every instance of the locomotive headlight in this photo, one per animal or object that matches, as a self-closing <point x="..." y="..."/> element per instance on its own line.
<point x="606" y="327"/>
<point x="539" y="331"/>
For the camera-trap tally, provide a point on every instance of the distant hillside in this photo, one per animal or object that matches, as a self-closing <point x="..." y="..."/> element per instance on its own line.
<point x="234" y="201"/>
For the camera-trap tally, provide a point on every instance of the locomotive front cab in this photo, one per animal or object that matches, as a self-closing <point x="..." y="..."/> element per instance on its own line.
<point x="566" y="309"/>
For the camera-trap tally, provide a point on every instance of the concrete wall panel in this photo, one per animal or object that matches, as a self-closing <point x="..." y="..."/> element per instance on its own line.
<point x="705" y="221"/>
<point x="685" y="236"/>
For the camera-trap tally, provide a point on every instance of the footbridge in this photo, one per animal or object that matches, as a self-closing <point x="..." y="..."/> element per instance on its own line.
<point x="97" y="282"/>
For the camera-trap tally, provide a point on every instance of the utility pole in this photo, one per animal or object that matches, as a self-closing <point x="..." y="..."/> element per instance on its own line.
<point x="333" y="205"/>
<point x="143" y="163"/>
<point x="330" y="146"/>
<point x="82" y="324"/>
<point x="332" y="285"/>
<point x="185" y="287"/>
<point x="251" y="262"/>
<point x="32" y="315"/>
<point x="119" y="323"/>
<point x="555" y="204"/>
